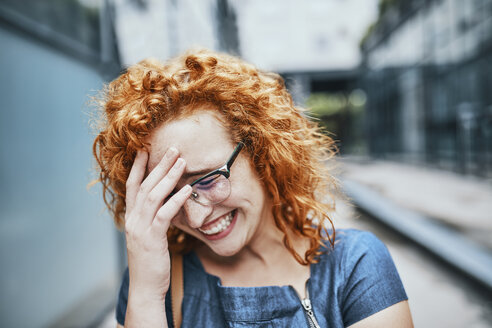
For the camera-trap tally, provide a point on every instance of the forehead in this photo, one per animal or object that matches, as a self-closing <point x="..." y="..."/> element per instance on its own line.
<point x="201" y="140"/>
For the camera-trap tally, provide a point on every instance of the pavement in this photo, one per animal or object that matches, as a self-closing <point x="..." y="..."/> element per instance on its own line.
<point x="462" y="202"/>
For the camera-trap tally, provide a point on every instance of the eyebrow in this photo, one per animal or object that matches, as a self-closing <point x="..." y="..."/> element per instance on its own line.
<point x="187" y="175"/>
<point x="201" y="172"/>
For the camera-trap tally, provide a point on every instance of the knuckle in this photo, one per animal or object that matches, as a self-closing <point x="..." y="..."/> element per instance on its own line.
<point x="162" y="165"/>
<point x="173" y="202"/>
<point x="160" y="216"/>
<point x="131" y="225"/>
<point x="129" y="182"/>
<point x="143" y="189"/>
<point x="132" y="233"/>
<point x="152" y="198"/>
<point x="166" y="180"/>
<point x="129" y="229"/>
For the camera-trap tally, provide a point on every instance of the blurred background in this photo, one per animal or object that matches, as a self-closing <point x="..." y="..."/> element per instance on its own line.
<point x="405" y="86"/>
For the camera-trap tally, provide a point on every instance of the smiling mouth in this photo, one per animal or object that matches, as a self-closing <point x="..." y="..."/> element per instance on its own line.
<point x="219" y="226"/>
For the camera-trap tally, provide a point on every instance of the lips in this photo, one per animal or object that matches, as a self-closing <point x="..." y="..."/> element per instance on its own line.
<point x="220" y="227"/>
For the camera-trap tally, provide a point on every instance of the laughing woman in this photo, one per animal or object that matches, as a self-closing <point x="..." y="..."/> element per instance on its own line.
<point x="206" y="160"/>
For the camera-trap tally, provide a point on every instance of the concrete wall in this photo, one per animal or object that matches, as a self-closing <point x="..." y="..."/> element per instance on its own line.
<point x="57" y="245"/>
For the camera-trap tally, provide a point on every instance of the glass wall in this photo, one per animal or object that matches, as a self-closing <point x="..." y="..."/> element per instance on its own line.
<point x="427" y="74"/>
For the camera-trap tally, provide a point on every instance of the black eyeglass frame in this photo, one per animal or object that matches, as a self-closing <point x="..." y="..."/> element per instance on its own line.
<point x="224" y="170"/>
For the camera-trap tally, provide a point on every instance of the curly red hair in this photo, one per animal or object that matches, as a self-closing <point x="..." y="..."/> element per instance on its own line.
<point x="287" y="150"/>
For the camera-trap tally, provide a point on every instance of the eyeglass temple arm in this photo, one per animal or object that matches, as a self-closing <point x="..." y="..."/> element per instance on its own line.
<point x="231" y="160"/>
<point x="227" y="166"/>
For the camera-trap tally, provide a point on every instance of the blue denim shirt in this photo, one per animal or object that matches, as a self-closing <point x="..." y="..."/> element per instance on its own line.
<point x="351" y="282"/>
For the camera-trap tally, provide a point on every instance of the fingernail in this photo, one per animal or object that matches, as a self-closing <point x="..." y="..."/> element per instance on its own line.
<point x="186" y="189"/>
<point x="171" y="152"/>
<point x="179" y="163"/>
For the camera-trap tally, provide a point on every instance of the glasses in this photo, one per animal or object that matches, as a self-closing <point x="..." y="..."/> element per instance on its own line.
<point x="215" y="187"/>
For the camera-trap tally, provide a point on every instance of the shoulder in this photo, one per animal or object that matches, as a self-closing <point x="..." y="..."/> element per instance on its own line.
<point x="350" y="244"/>
<point x="354" y="237"/>
<point x="355" y="252"/>
<point x="366" y="278"/>
<point x="360" y="253"/>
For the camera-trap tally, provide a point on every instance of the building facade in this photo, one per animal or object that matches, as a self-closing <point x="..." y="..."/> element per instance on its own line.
<point x="427" y="71"/>
<point x="165" y="28"/>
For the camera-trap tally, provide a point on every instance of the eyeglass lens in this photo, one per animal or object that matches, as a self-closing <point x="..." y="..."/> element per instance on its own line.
<point x="212" y="190"/>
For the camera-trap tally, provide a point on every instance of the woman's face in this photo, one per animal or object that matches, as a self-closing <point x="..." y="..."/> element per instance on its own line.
<point x="205" y="145"/>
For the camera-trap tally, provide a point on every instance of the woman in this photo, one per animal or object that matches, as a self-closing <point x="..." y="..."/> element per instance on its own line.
<point x="208" y="157"/>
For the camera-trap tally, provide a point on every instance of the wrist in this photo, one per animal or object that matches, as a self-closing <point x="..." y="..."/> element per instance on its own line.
<point x="144" y="311"/>
<point x="146" y="307"/>
<point x="149" y="293"/>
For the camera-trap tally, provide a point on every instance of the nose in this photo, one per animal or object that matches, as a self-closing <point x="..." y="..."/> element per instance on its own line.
<point x="196" y="213"/>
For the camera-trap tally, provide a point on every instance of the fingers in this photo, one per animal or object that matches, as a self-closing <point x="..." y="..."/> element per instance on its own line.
<point x="159" y="171"/>
<point x="155" y="176"/>
<point x="162" y="190"/>
<point x="171" y="208"/>
<point x="146" y="199"/>
<point x="135" y="178"/>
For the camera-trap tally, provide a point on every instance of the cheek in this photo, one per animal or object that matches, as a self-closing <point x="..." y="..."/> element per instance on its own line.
<point x="245" y="181"/>
<point x="248" y="194"/>
<point x="180" y="219"/>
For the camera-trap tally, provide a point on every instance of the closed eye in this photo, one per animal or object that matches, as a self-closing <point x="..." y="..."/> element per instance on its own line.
<point x="208" y="180"/>
<point x="208" y="183"/>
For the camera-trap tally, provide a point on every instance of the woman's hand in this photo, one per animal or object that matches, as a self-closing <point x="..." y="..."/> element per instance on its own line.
<point x="147" y="219"/>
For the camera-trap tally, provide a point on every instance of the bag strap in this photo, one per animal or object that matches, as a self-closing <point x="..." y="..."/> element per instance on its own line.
<point x="177" y="288"/>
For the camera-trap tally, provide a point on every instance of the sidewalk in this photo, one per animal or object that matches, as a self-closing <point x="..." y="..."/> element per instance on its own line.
<point x="463" y="203"/>
<point x="448" y="214"/>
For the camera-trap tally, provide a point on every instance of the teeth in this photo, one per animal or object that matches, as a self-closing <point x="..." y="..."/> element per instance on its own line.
<point x="221" y="226"/>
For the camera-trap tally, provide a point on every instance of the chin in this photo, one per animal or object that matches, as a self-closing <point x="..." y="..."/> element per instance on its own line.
<point x="225" y="252"/>
<point x="224" y="249"/>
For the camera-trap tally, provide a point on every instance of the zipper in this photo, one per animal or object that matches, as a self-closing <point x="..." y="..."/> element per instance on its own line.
<point x="306" y="304"/>
<point x="308" y="309"/>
